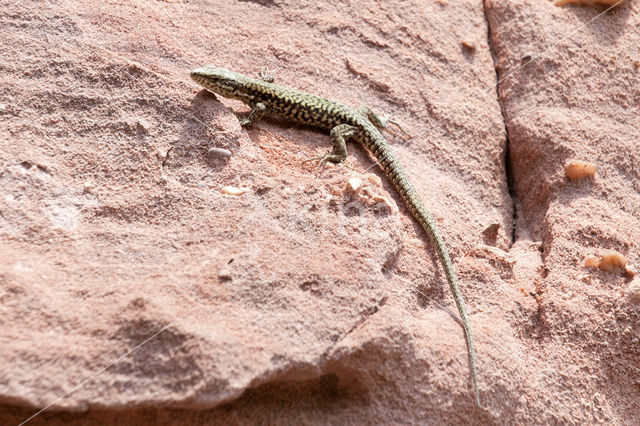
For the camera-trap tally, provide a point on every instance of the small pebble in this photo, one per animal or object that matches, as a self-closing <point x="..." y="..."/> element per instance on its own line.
<point x="469" y="46"/>
<point x="354" y="185"/>
<point x="219" y="153"/>
<point x="629" y="271"/>
<point x="591" y="262"/>
<point x="611" y="261"/>
<point x="585" y="277"/>
<point x="233" y="190"/>
<point x="224" y="274"/>
<point x="633" y="290"/>
<point x="88" y="186"/>
<point x="374" y="179"/>
<point x="578" y="169"/>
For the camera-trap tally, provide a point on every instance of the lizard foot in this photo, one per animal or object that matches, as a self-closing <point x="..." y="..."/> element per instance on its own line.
<point x="321" y="159"/>
<point x="390" y="120"/>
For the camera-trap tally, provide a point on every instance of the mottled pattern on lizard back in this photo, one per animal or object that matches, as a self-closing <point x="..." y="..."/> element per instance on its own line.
<point x="304" y="108"/>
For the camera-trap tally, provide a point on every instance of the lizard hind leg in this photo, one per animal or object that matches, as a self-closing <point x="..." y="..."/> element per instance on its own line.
<point x="380" y="122"/>
<point x="339" y="136"/>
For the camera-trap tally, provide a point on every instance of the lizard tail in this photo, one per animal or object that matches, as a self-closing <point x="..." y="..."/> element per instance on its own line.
<point x="423" y="216"/>
<point x="393" y="169"/>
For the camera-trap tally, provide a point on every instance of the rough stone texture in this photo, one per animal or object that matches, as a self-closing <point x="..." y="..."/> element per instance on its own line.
<point x="580" y="98"/>
<point x="130" y="285"/>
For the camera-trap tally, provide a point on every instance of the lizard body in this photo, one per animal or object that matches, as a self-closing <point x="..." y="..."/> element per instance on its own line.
<point x="265" y="97"/>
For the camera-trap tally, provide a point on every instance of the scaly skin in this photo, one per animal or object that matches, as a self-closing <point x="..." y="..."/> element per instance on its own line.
<point x="264" y="97"/>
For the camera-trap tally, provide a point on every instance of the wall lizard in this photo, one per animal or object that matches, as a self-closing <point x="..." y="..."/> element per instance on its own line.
<point x="265" y="97"/>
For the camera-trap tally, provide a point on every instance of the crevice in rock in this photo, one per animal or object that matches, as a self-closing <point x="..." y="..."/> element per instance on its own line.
<point x="510" y="183"/>
<point x="507" y="162"/>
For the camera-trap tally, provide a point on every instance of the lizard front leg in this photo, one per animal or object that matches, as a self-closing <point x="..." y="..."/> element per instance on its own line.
<point x="265" y="75"/>
<point x="257" y="112"/>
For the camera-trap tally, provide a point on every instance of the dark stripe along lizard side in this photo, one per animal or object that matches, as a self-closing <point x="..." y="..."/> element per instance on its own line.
<point x="344" y="123"/>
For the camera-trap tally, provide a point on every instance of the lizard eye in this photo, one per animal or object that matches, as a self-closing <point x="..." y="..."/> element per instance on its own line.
<point x="229" y="84"/>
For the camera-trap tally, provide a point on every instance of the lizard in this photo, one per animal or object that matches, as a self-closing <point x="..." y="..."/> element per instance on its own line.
<point x="343" y="123"/>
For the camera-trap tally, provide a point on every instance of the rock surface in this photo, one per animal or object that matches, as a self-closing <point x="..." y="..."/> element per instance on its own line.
<point x="133" y="290"/>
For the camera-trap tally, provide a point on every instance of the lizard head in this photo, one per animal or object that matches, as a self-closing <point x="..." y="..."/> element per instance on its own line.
<point x="223" y="82"/>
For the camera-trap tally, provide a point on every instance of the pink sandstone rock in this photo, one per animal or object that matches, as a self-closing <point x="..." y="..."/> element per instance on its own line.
<point x="133" y="291"/>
